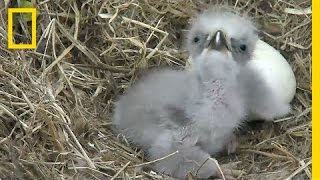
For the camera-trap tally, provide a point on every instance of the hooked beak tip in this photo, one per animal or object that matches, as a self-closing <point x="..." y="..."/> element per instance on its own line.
<point x="218" y="42"/>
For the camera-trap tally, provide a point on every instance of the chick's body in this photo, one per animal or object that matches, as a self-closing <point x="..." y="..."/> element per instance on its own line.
<point x="193" y="113"/>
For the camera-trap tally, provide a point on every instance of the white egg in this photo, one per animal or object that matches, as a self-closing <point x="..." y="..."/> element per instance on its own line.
<point x="274" y="69"/>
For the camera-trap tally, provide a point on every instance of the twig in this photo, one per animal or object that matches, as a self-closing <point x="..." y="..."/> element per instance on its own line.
<point x="23" y="95"/>
<point x="298" y="11"/>
<point x="122" y="70"/>
<point x="271" y="155"/>
<point x="160" y="159"/>
<point x="56" y="61"/>
<point x="301" y="168"/>
<point x="120" y="170"/>
<point x="220" y="170"/>
<point x="8" y="112"/>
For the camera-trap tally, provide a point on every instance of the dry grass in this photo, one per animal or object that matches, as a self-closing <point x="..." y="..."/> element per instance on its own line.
<point x="56" y="101"/>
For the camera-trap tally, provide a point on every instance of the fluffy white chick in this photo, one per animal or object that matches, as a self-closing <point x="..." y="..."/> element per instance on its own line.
<point x="191" y="112"/>
<point x="260" y="99"/>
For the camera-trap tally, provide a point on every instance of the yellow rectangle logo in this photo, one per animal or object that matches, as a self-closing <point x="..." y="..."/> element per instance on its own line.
<point x="315" y="89"/>
<point x="33" y="12"/>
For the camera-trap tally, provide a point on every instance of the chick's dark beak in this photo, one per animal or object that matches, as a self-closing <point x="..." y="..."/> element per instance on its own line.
<point x="218" y="42"/>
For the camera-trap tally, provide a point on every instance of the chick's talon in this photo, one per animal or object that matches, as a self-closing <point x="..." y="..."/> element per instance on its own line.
<point x="232" y="144"/>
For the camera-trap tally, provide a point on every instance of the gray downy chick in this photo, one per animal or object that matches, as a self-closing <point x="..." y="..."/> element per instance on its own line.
<point x="191" y="113"/>
<point x="243" y="34"/>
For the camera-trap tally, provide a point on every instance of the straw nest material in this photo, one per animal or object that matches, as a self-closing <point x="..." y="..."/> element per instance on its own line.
<point x="56" y="101"/>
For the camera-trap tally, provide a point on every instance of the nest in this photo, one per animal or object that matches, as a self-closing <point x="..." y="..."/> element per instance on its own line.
<point x="56" y="101"/>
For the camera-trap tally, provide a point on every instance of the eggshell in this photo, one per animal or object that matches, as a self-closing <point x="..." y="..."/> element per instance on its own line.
<point x="275" y="70"/>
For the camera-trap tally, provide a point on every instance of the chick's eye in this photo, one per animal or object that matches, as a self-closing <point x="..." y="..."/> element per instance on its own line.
<point x="196" y="39"/>
<point x="243" y="47"/>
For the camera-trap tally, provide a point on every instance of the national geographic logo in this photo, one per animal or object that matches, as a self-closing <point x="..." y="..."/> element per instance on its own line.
<point x="33" y="12"/>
